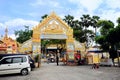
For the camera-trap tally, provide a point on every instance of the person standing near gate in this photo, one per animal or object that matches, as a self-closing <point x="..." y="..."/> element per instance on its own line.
<point x="48" y="58"/>
<point x="57" y="58"/>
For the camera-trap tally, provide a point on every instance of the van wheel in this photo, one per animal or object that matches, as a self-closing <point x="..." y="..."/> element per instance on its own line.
<point x="24" y="72"/>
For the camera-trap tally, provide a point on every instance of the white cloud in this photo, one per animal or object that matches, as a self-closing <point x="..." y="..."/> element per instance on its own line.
<point x="38" y="2"/>
<point x="113" y="3"/>
<point x="51" y="3"/>
<point x="12" y="36"/>
<point x="33" y="14"/>
<point x="20" y="22"/>
<point x="4" y="18"/>
<point x="110" y="15"/>
<point x="90" y="5"/>
<point x="107" y="12"/>
<point x="54" y="4"/>
<point x="85" y="7"/>
<point x="16" y="24"/>
<point x="1" y="25"/>
<point x="77" y="13"/>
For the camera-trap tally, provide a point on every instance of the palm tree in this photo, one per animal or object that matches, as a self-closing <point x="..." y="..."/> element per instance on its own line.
<point x="85" y="23"/>
<point x="94" y="22"/>
<point x="69" y="20"/>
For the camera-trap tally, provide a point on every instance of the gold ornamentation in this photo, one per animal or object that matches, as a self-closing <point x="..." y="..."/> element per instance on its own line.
<point x="53" y="25"/>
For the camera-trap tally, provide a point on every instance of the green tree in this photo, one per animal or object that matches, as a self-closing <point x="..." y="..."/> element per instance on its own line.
<point x="105" y="25"/>
<point x="102" y="41"/>
<point x="75" y="24"/>
<point x="108" y="38"/>
<point x="78" y="32"/>
<point x="80" y="28"/>
<point x="118" y="20"/>
<point x="69" y="20"/>
<point x="85" y="22"/>
<point x="94" y="23"/>
<point x="43" y="17"/>
<point x="23" y="35"/>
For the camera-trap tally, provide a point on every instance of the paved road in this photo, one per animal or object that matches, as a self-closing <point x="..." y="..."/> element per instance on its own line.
<point x="52" y="72"/>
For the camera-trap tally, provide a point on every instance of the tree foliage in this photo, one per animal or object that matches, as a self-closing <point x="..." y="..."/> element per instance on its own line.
<point x="109" y="39"/>
<point x="80" y="27"/>
<point x="86" y="22"/>
<point x="69" y="20"/>
<point x="43" y="17"/>
<point x="94" y="23"/>
<point x="103" y="40"/>
<point x="23" y="35"/>
<point x="118" y="20"/>
<point x="105" y="25"/>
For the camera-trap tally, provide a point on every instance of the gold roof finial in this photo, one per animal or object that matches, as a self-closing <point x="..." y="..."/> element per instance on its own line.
<point x="53" y="13"/>
<point x="6" y="32"/>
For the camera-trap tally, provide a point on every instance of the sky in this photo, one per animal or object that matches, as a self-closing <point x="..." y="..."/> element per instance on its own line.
<point x="14" y="14"/>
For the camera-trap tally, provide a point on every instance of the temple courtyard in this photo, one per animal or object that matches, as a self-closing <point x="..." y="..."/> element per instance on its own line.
<point x="53" y="72"/>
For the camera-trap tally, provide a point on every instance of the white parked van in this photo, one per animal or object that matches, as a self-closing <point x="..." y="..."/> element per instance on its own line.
<point x="14" y="64"/>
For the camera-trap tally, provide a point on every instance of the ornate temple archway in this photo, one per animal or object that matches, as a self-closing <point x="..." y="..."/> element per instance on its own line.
<point x="53" y="27"/>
